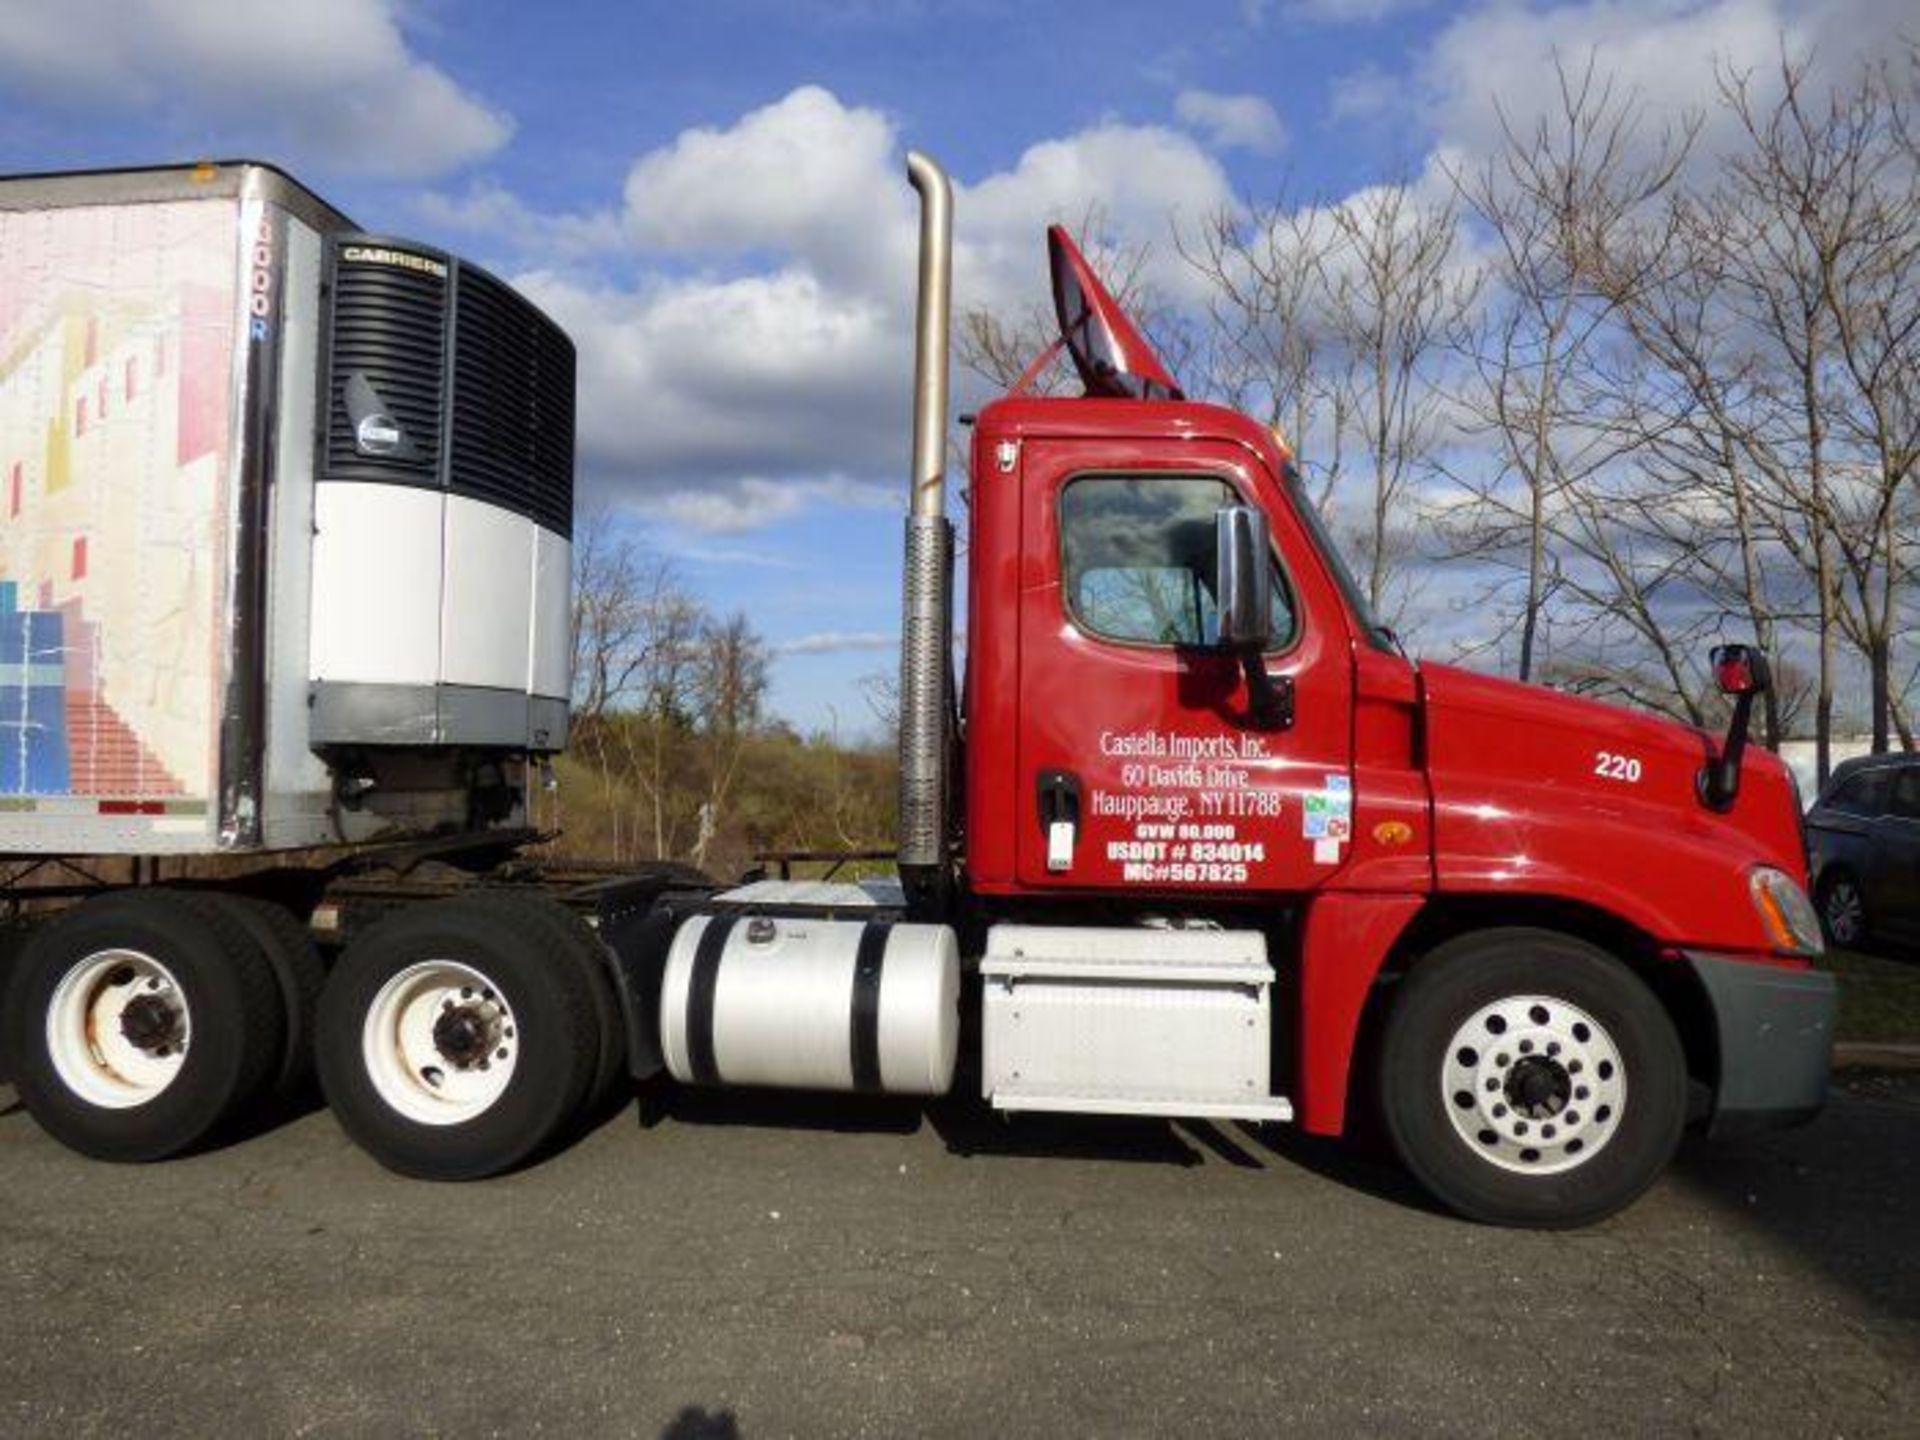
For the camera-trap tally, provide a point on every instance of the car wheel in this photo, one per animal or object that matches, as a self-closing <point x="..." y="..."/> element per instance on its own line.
<point x="1843" y="910"/>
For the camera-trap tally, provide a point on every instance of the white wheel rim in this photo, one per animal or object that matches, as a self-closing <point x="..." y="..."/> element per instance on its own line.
<point x="118" y="1028"/>
<point x="440" y="1043"/>
<point x="1534" y="1085"/>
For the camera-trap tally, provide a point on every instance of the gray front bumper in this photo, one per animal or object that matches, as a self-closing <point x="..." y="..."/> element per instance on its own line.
<point x="1774" y="1031"/>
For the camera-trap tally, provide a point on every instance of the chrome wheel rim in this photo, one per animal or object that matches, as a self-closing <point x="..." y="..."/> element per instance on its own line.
<point x="1534" y="1085"/>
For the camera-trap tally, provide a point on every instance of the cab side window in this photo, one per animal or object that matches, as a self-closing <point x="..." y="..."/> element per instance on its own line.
<point x="1138" y="562"/>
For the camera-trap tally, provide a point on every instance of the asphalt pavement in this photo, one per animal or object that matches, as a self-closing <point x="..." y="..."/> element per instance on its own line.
<point x="758" y="1266"/>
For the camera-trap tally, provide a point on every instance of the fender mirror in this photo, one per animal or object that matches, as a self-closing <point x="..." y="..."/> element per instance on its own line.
<point x="1741" y="672"/>
<point x="1243" y="578"/>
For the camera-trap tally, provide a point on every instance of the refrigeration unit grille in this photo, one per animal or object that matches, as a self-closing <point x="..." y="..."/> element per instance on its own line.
<point x="512" y="431"/>
<point x="388" y="353"/>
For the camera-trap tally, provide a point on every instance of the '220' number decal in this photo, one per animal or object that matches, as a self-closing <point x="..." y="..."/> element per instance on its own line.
<point x="1609" y="766"/>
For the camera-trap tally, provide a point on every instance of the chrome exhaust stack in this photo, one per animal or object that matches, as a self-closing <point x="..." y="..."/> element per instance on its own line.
<point x="926" y="630"/>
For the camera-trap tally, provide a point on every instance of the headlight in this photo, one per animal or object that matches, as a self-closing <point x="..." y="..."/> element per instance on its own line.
<point x="1785" y="912"/>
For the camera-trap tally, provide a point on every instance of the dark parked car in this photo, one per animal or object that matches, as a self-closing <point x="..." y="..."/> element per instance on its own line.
<point x="1864" y="833"/>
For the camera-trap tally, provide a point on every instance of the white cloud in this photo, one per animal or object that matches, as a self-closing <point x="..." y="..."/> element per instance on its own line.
<point x="1244" y="122"/>
<point x="734" y="507"/>
<point x="805" y="176"/>
<point x="758" y="358"/>
<point x="684" y="383"/>
<point x="1665" y="54"/>
<point x="1329" y="12"/>
<point x="1364" y="94"/>
<point x="833" y="642"/>
<point x="329" y="80"/>
<point x="1135" y="178"/>
<point x="488" y="208"/>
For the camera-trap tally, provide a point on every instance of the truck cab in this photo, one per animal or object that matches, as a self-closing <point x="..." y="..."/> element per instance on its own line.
<point x="1133" y="745"/>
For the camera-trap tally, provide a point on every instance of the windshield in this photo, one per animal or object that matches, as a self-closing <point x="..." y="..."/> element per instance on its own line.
<point x="1378" y="635"/>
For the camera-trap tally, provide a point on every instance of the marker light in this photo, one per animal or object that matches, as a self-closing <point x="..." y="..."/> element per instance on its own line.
<point x="1785" y="912"/>
<point x="1739" y="670"/>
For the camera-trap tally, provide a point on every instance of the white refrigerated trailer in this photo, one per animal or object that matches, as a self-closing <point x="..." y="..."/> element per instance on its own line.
<point x="285" y="528"/>
<point x="285" y="534"/>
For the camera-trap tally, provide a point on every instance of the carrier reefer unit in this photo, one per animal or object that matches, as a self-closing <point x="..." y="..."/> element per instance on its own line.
<point x="285" y="517"/>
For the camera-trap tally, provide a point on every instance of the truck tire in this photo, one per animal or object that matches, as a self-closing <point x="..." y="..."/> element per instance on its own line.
<point x="297" y="967"/>
<point x="453" y="1044"/>
<point x="575" y="941"/>
<point x="1528" y="1078"/>
<point x="13" y="939"/>
<point x="141" y="1022"/>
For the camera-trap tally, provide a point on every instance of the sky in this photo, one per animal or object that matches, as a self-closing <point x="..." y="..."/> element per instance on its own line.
<point x="711" y="197"/>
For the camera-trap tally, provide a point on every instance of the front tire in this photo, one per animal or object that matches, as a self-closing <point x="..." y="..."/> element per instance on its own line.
<point x="1530" y="1079"/>
<point x="453" y="1042"/>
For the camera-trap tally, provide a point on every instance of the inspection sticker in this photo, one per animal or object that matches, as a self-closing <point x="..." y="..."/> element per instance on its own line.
<point x="1327" y="813"/>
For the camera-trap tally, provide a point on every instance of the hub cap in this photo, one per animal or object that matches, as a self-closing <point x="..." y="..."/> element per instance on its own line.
<point x="1534" y="1084"/>
<point x="440" y="1043"/>
<point x="118" y="1028"/>
<point x="1844" y="913"/>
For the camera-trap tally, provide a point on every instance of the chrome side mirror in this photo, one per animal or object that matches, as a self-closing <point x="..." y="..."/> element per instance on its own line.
<point x="1244" y="578"/>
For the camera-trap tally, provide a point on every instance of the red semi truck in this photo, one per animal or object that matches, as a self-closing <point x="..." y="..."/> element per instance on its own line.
<point x="1191" y="837"/>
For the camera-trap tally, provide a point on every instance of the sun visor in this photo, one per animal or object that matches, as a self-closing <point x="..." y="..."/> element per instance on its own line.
<point x="1108" y="350"/>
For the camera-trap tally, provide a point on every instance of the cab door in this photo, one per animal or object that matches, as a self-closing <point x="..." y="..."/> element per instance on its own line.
<point x="1143" y="765"/>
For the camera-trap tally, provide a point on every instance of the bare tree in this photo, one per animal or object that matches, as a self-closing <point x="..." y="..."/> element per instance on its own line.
<point x="1267" y="324"/>
<point x="1396" y="294"/>
<point x="1815" y="227"/>
<point x="1553" y="204"/>
<point x="730" y="672"/>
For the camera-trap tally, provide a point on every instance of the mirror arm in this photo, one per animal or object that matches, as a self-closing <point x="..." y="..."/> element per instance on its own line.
<point x="1720" y="778"/>
<point x="1269" y="701"/>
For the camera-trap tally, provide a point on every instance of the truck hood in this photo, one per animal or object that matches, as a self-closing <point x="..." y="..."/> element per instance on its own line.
<point x="1535" y="790"/>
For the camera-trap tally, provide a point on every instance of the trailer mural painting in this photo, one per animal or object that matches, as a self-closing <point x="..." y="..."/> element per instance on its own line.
<point x="116" y="337"/>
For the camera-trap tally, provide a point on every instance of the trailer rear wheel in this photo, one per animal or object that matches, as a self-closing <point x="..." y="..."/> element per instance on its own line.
<point x="140" y="1022"/>
<point x="289" y="947"/>
<point x="1528" y="1078"/>
<point x="453" y="1043"/>
<point x="577" y="941"/>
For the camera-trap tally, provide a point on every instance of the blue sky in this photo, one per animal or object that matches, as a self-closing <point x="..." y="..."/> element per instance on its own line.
<point x="709" y="196"/>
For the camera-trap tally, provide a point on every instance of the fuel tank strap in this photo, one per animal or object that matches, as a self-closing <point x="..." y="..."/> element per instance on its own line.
<point x="864" y="1031"/>
<point x="700" y="989"/>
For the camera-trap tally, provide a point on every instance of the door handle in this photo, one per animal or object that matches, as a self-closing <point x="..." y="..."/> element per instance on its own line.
<point x="1058" y="795"/>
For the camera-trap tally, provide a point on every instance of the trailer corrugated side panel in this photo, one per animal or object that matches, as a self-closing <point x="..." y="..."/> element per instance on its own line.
<point x="119" y="327"/>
